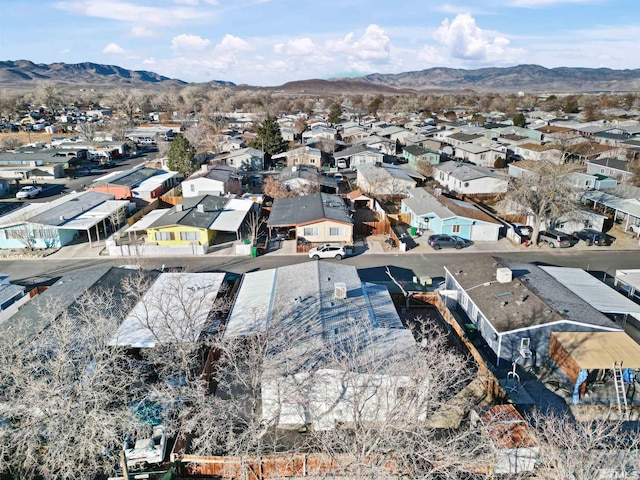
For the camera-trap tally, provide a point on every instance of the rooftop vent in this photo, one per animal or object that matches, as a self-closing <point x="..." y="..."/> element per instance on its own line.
<point x="179" y="208"/>
<point x="504" y="275"/>
<point x="200" y="208"/>
<point x="340" y="290"/>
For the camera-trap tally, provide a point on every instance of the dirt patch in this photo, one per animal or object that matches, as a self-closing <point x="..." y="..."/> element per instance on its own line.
<point x="26" y="253"/>
<point x="29" y="137"/>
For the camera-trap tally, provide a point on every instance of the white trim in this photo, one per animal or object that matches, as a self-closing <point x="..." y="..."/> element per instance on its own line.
<point x="571" y="322"/>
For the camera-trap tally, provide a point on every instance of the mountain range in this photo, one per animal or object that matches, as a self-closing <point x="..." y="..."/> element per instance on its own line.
<point x="527" y="78"/>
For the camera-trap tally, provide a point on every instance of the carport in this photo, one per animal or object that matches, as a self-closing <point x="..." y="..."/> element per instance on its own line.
<point x="625" y="208"/>
<point x="112" y="210"/>
<point x="145" y="222"/>
<point x="578" y="353"/>
<point x="596" y="293"/>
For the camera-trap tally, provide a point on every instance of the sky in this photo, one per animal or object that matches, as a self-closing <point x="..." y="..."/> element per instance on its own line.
<point x="270" y="42"/>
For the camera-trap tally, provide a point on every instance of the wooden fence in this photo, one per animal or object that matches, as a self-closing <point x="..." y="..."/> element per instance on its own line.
<point x="143" y="211"/>
<point x="379" y="227"/>
<point x="489" y="380"/>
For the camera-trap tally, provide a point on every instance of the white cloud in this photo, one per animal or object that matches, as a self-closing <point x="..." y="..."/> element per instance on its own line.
<point x="465" y="40"/>
<point x="132" y="13"/>
<point x="149" y="61"/>
<point x="113" y="48"/>
<point x="296" y="47"/>
<point x="141" y="32"/>
<point x="187" y="2"/>
<point x="372" y="48"/>
<point x="232" y="44"/>
<point x="189" y="42"/>
<point x="64" y="51"/>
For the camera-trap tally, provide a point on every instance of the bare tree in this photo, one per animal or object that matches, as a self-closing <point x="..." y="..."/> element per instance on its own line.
<point x="255" y="222"/>
<point x="9" y="143"/>
<point x="584" y="449"/>
<point x="86" y="131"/>
<point x="126" y="102"/>
<point x="542" y="192"/>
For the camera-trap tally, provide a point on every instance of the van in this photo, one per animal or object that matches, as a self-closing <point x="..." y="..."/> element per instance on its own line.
<point x="342" y="163"/>
<point x="554" y="239"/>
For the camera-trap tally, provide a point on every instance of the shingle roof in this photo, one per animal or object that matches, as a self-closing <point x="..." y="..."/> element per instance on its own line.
<point x="308" y="209"/>
<point x="611" y="163"/>
<point x="533" y="298"/>
<point x="186" y="212"/>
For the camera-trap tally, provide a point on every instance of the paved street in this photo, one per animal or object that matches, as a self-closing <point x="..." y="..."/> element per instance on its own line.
<point x="371" y="266"/>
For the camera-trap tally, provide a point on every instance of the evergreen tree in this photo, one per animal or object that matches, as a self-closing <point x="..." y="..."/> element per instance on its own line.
<point x="519" y="120"/>
<point x="269" y="137"/>
<point x="181" y="156"/>
<point x="335" y="113"/>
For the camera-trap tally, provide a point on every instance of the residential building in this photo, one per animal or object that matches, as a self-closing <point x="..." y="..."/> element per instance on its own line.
<point x="533" y="151"/>
<point x="449" y="216"/>
<point x="383" y="179"/>
<point x="300" y="156"/>
<point x="57" y="223"/>
<point x="197" y="220"/>
<point x="218" y="180"/>
<point x="611" y="167"/>
<point x="318" y="218"/>
<point x="516" y="306"/>
<point x="301" y="178"/>
<point x="123" y="184"/>
<point x="244" y="159"/>
<point x="478" y="154"/>
<point x="359" y="155"/>
<point x="470" y="179"/>
<point x="418" y="156"/>
<point x="311" y="315"/>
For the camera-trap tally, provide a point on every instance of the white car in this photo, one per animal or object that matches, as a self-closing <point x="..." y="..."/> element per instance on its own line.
<point x="29" y="192"/>
<point x="328" y="250"/>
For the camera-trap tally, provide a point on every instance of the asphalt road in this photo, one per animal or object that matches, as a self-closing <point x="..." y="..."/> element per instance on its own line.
<point x="371" y="266"/>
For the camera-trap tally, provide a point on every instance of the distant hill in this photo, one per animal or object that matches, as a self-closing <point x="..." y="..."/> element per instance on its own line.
<point x="335" y="86"/>
<point x="23" y="73"/>
<point x="527" y="78"/>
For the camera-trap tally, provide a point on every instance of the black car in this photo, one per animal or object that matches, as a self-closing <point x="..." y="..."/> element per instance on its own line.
<point x="592" y="237"/>
<point x="439" y="241"/>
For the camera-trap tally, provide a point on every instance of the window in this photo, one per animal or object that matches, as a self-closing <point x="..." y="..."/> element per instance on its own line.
<point x="165" y="236"/>
<point x="336" y="231"/>
<point x="456" y="229"/>
<point x="310" y="231"/>
<point x="464" y="300"/>
<point x="192" y="187"/>
<point x="190" y="236"/>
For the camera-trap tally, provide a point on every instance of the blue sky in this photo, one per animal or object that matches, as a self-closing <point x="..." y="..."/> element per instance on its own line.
<point x="269" y="42"/>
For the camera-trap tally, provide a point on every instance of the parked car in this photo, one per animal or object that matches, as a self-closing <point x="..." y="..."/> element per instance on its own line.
<point x="339" y="177"/>
<point x="328" y="250"/>
<point x="554" y="239"/>
<point x="341" y="163"/>
<point x="592" y="237"/>
<point x="634" y="228"/>
<point x="524" y="231"/>
<point x="30" y="191"/>
<point x="439" y="241"/>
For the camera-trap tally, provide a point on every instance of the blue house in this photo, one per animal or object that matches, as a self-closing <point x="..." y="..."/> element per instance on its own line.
<point x="57" y="223"/>
<point x="450" y="216"/>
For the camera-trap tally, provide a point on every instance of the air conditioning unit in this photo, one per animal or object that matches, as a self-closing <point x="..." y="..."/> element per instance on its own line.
<point x="340" y="290"/>
<point x="504" y="275"/>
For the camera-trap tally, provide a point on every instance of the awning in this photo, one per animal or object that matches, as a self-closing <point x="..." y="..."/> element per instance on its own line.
<point x="144" y="223"/>
<point x="591" y="350"/>
<point x="91" y="218"/>
<point x="596" y="293"/>
<point x="232" y="216"/>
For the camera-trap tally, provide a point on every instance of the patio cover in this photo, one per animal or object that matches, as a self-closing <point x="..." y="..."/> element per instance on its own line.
<point x="232" y="215"/>
<point x="91" y="218"/>
<point x="142" y="224"/>
<point x="598" y="294"/>
<point x="591" y="350"/>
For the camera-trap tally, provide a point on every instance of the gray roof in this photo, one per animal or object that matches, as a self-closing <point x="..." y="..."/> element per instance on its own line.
<point x="533" y="298"/>
<point x="220" y="173"/>
<point x="464" y="137"/>
<point x="299" y="301"/>
<point x="186" y="212"/>
<point x="415" y="150"/>
<point x="61" y="213"/>
<point x="465" y="171"/>
<point x="347" y="152"/>
<point x="134" y="177"/>
<point x="421" y="202"/>
<point x="611" y="163"/>
<point x="308" y="209"/>
<point x="308" y="174"/>
<point x="36" y="315"/>
<point x="391" y="171"/>
<point x="8" y="290"/>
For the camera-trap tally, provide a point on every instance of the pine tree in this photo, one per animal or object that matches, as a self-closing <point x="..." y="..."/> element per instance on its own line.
<point x="335" y="114"/>
<point x="181" y="156"/>
<point x="269" y="137"/>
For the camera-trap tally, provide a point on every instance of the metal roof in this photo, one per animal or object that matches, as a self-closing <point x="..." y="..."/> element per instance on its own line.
<point x="232" y="215"/>
<point x="593" y="291"/>
<point x="421" y="202"/>
<point x="465" y="171"/>
<point x="175" y="309"/>
<point x="144" y="223"/>
<point x="300" y="300"/>
<point x="62" y="211"/>
<point x="94" y="216"/>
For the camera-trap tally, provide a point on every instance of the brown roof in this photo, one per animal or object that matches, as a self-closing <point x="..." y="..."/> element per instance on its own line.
<point x="507" y="428"/>
<point x="600" y="349"/>
<point x="356" y="194"/>
<point x="537" y="147"/>
<point x="588" y="148"/>
<point x="465" y="209"/>
<point x="554" y="129"/>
